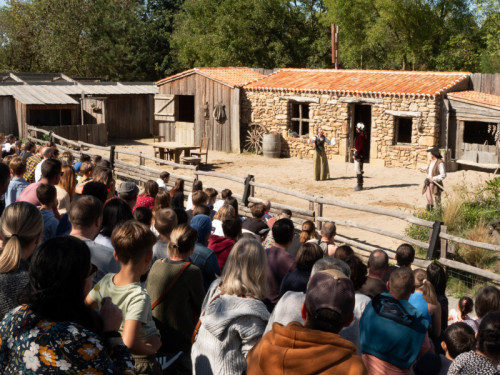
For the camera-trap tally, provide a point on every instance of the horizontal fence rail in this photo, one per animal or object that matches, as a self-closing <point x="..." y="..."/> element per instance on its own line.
<point x="140" y="172"/>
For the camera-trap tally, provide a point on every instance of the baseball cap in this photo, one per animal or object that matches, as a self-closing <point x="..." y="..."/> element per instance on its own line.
<point x="127" y="187"/>
<point x="330" y="289"/>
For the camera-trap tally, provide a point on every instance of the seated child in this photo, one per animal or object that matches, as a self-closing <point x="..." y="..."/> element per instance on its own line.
<point x="47" y="195"/>
<point x="17" y="184"/>
<point x="458" y="338"/>
<point x="143" y="215"/>
<point x="86" y="172"/>
<point x="165" y="222"/>
<point x="464" y="307"/>
<point x="133" y="243"/>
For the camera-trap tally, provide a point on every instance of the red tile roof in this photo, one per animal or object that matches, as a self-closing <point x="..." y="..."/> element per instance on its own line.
<point x="360" y="81"/>
<point x="476" y="97"/>
<point x="231" y="76"/>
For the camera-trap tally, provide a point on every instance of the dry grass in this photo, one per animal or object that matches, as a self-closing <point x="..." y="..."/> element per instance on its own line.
<point x="475" y="256"/>
<point x="453" y="213"/>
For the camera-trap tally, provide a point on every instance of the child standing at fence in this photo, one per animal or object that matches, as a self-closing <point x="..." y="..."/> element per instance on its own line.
<point x="464" y="307"/>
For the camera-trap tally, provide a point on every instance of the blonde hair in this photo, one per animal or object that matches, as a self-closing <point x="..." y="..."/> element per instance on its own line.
<point x="425" y="285"/>
<point x="245" y="272"/>
<point x="21" y="223"/>
<point x="225" y="212"/>
<point x="182" y="240"/>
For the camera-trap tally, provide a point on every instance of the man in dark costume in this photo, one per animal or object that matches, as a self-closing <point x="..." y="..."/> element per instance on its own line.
<point x="359" y="154"/>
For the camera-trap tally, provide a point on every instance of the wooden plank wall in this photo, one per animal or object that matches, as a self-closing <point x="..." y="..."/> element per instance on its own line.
<point x="8" y="121"/>
<point x="487" y="83"/>
<point x="90" y="133"/>
<point x="21" y="118"/>
<point x="205" y="91"/>
<point x="91" y="115"/>
<point x="129" y="116"/>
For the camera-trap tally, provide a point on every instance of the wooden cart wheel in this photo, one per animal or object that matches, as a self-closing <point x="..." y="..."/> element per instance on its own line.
<point x="253" y="140"/>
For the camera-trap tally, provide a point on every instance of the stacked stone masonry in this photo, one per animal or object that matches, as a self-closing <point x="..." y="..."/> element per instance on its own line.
<point x="331" y="112"/>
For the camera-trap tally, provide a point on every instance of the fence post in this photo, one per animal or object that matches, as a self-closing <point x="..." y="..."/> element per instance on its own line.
<point x="444" y="242"/>
<point x="319" y="213"/>
<point x="252" y="188"/>
<point x="247" y="189"/>
<point x="51" y="136"/>
<point x="141" y="159"/>
<point x="112" y="157"/>
<point x="434" y="240"/>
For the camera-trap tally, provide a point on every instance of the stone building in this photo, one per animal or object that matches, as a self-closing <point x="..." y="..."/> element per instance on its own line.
<point x="403" y="111"/>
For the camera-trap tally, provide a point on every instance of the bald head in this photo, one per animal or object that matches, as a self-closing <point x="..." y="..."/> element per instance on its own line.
<point x="329" y="230"/>
<point x="378" y="263"/>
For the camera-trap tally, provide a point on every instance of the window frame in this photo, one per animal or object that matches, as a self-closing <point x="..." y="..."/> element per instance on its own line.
<point x="301" y="120"/>
<point x="397" y="124"/>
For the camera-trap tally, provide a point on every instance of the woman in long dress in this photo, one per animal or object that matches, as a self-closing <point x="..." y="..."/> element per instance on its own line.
<point x="321" y="170"/>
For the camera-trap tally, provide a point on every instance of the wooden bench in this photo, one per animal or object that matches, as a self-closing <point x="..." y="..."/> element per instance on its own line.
<point x="190" y="160"/>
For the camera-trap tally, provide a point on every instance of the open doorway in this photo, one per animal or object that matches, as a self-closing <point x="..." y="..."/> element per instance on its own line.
<point x="361" y="113"/>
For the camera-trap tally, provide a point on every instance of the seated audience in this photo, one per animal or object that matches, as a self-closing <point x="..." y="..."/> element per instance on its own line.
<point x="343" y="252"/>
<point x="487" y="300"/>
<point x="315" y="347"/>
<point x="21" y="227"/>
<point x="176" y="290"/>
<point x="224" y="194"/>
<point x="143" y="215"/>
<point x="147" y="199"/>
<point x="233" y="317"/>
<point x="222" y="245"/>
<point x="17" y="183"/>
<point x="86" y="173"/>
<point x="225" y="212"/>
<point x="378" y="263"/>
<point x="163" y="181"/>
<point x="424" y="299"/>
<point x="212" y="197"/>
<point x="165" y="222"/>
<point x="47" y="153"/>
<point x="47" y="196"/>
<point x="96" y="189"/>
<point x="162" y="200"/>
<point x="267" y="210"/>
<point x="197" y="186"/>
<point x="465" y="306"/>
<point x="51" y="174"/>
<point x="308" y="232"/>
<point x="257" y="223"/>
<point x="115" y="212"/>
<point x="392" y="313"/>
<point x="198" y="198"/>
<point x="177" y="194"/>
<point x="4" y="184"/>
<point x="66" y="189"/>
<point x="85" y="216"/>
<point x="297" y="279"/>
<point x="327" y="240"/>
<point x="105" y="175"/>
<point x="54" y="332"/>
<point x="133" y="243"/>
<point x="31" y="163"/>
<point x="484" y="359"/>
<point x="279" y="262"/>
<point x="438" y="278"/>
<point x="202" y="257"/>
<point x="128" y="192"/>
<point x="457" y="339"/>
<point x="405" y="255"/>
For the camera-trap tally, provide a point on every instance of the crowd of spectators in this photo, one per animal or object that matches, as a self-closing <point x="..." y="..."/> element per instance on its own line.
<point x="101" y="277"/>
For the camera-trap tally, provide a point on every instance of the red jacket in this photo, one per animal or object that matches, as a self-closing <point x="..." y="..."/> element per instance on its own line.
<point x="221" y="246"/>
<point x="359" y="144"/>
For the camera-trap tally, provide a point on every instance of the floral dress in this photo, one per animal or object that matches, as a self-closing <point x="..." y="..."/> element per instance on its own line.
<point x="32" y="346"/>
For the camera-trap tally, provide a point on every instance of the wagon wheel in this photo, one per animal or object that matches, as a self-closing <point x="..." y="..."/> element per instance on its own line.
<point x="255" y="135"/>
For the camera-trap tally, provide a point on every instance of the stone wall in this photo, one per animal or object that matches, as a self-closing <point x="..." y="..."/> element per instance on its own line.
<point x="332" y="112"/>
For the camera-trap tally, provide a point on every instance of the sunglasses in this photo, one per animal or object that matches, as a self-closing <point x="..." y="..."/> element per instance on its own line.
<point x="93" y="271"/>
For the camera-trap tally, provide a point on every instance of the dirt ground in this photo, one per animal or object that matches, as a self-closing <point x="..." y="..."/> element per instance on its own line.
<point x="396" y="189"/>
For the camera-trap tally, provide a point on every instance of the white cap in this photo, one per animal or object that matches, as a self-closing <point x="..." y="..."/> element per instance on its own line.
<point x="360" y="126"/>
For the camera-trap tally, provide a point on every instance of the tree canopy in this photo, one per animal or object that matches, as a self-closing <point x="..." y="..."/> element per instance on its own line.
<point x="149" y="39"/>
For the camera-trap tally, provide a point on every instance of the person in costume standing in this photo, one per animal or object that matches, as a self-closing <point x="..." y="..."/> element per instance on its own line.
<point x="436" y="173"/>
<point x="359" y="154"/>
<point x="321" y="170"/>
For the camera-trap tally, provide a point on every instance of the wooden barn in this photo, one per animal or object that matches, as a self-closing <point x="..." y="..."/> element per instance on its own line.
<point x="203" y="103"/>
<point x="88" y="111"/>
<point x="474" y="134"/>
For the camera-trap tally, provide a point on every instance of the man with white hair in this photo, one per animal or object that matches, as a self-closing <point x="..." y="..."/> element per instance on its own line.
<point x="359" y="154"/>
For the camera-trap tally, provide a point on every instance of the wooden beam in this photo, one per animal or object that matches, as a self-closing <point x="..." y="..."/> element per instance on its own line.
<point x="357" y="99"/>
<point x="470" y="269"/>
<point x="403" y="113"/>
<point x="300" y="99"/>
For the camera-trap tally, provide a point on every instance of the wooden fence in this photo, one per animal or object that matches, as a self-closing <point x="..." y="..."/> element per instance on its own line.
<point x="438" y="247"/>
<point x="95" y="134"/>
<point x="487" y="83"/>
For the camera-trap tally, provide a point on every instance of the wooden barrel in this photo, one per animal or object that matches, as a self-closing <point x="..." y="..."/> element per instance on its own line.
<point x="271" y="145"/>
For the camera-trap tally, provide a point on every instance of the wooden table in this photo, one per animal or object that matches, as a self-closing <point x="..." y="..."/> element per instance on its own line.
<point x="173" y="150"/>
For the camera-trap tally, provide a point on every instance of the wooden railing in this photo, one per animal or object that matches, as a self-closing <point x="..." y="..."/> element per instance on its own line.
<point x="317" y="205"/>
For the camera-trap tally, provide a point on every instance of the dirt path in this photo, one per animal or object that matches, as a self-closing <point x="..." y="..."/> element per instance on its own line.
<point x="392" y="188"/>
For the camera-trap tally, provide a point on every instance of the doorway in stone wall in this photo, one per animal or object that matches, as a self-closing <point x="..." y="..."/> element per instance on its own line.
<point x="361" y="113"/>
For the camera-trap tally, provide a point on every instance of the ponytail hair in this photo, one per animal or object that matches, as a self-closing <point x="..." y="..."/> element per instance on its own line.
<point x="308" y="231"/>
<point x="465" y="306"/>
<point x="426" y="286"/>
<point x="182" y="240"/>
<point x="21" y="223"/>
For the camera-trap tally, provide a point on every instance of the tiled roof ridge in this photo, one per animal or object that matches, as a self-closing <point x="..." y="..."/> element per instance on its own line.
<point x="371" y="71"/>
<point x="205" y="71"/>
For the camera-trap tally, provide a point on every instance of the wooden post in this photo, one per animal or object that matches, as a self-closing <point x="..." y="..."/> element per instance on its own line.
<point x="141" y="159"/>
<point x="112" y="157"/>
<point x="444" y="243"/>
<point x="319" y="213"/>
<point x="252" y="188"/>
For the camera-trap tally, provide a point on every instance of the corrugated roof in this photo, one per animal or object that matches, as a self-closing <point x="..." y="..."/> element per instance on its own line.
<point x="234" y="77"/>
<point x="378" y="82"/>
<point x="58" y="93"/>
<point x="33" y="95"/>
<point x="476" y="97"/>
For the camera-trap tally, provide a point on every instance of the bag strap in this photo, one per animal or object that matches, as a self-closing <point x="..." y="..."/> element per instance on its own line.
<point x="197" y="328"/>
<point x="170" y="286"/>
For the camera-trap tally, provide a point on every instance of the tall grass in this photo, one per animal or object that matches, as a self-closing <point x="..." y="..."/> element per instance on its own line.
<point x="473" y="255"/>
